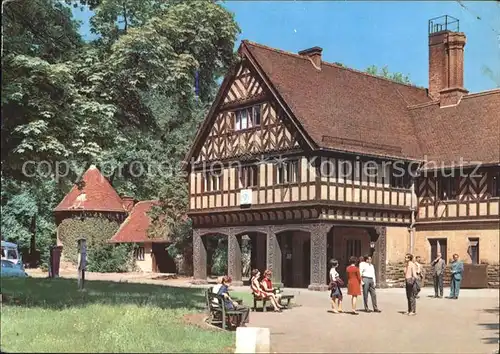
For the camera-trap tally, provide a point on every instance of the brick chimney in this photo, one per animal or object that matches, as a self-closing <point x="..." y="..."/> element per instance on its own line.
<point x="314" y="55"/>
<point x="128" y="203"/>
<point x="446" y="61"/>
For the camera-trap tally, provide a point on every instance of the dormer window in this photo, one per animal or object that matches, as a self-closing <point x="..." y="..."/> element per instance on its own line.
<point x="247" y="118"/>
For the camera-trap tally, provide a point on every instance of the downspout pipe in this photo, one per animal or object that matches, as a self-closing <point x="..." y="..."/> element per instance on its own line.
<point x="413" y="208"/>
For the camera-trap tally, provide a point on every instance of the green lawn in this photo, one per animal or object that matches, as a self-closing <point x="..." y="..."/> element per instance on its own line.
<point x="51" y="315"/>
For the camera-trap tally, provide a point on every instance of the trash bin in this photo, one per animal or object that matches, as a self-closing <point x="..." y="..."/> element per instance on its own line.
<point x="55" y="261"/>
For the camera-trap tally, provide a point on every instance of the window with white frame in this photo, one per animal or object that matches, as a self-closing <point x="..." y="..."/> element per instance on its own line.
<point x="287" y="172"/>
<point x="247" y="117"/>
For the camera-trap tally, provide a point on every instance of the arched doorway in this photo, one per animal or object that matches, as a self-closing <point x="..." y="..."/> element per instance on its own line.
<point x="295" y="258"/>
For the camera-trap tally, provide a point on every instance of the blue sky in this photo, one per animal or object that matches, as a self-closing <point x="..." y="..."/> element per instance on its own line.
<point x="359" y="34"/>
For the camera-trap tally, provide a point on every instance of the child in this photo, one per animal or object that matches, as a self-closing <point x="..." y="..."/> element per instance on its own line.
<point x="335" y="284"/>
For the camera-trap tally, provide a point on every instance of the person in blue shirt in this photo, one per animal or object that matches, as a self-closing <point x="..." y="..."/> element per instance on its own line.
<point x="457" y="270"/>
<point x="230" y="304"/>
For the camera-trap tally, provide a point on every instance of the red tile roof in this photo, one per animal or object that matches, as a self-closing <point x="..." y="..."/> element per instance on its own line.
<point x="97" y="194"/>
<point x="469" y="130"/>
<point x="135" y="227"/>
<point x="342" y="108"/>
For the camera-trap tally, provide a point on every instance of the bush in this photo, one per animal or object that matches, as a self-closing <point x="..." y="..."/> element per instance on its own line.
<point x="108" y="258"/>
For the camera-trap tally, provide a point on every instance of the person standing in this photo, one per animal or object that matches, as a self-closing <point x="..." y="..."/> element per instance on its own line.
<point x="369" y="282"/>
<point x="438" y="265"/>
<point x="353" y="282"/>
<point x="457" y="270"/>
<point x="335" y="284"/>
<point x="410" y="284"/>
<point x="420" y="276"/>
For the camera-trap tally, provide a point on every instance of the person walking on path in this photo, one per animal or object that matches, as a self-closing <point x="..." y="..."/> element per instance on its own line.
<point x="411" y="282"/>
<point x="353" y="282"/>
<point x="457" y="270"/>
<point x="438" y="265"/>
<point x="368" y="281"/>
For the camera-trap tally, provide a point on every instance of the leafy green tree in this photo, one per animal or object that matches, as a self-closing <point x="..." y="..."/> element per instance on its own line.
<point x="124" y="101"/>
<point x="384" y="72"/>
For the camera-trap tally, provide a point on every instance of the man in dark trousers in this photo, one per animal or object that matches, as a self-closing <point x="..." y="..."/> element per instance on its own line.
<point x="368" y="281"/>
<point x="438" y="266"/>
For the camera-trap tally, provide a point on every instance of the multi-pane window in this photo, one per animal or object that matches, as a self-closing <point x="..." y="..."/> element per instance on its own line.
<point x="474" y="250"/>
<point x="439" y="245"/>
<point x="212" y="181"/>
<point x="447" y="188"/>
<point x="287" y="172"/>
<point x="247" y="118"/>
<point x="248" y="176"/>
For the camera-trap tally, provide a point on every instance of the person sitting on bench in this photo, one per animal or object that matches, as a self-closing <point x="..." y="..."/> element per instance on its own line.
<point x="267" y="284"/>
<point x="258" y="291"/>
<point x="232" y="305"/>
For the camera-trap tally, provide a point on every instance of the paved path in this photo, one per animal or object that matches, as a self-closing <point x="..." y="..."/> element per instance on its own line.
<point x="466" y="325"/>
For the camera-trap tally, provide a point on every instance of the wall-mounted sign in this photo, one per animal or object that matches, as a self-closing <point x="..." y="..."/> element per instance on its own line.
<point x="246" y="197"/>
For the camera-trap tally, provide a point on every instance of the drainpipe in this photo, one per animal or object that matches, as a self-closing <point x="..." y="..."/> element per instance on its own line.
<point x="413" y="209"/>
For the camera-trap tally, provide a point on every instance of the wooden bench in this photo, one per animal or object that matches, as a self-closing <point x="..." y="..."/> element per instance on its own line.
<point x="218" y="314"/>
<point x="264" y="301"/>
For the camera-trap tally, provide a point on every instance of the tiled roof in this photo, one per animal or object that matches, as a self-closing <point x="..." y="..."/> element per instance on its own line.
<point x="341" y="108"/>
<point x="97" y="194"/>
<point x="135" y="227"/>
<point x="469" y="130"/>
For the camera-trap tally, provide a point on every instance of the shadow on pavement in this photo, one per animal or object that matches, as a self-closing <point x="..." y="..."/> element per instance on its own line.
<point x="495" y="327"/>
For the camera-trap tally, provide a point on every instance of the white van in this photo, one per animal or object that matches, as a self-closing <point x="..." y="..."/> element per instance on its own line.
<point x="10" y="252"/>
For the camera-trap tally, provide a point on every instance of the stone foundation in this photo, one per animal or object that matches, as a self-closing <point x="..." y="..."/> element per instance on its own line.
<point x="395" y="275"/>
<point x="494" y="276"/>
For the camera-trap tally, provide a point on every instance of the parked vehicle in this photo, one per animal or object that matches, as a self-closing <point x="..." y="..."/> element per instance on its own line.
<point x="10" y="252"/>
<point x="10" y="269"/>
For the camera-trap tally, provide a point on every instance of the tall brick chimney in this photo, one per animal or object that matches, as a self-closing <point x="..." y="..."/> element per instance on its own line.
<point x="314" y="55"/>
<point x="446" y="61"/>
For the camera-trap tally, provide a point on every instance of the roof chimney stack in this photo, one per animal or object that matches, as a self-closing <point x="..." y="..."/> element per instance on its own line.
<point x="128" y="203"/>
<point x="446" y="60"/>
<point x="314" y="55"/>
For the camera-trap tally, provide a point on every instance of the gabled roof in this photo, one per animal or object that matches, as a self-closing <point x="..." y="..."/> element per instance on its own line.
<point x="341" y="108"/>
<point x="346" y="110"/>
<point x="135" y="227"/>
<point x="97" y="194"/>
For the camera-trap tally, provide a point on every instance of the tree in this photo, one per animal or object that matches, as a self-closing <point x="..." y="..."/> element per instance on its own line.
<point x="124" y="98"/>
<point x="384" y="72"/>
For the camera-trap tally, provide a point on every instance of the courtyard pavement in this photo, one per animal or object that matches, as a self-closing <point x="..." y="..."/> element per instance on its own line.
<point x="467" y="325"/>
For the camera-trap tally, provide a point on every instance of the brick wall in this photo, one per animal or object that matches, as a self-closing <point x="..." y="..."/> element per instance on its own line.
<point x="395" y="275"/>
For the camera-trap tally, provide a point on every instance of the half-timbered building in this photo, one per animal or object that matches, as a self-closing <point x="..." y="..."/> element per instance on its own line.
<point x="303" y="157"/>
